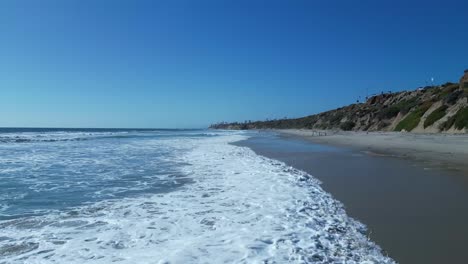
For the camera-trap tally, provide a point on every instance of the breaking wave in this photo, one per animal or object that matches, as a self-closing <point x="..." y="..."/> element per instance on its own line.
<point x="238" y="207"/>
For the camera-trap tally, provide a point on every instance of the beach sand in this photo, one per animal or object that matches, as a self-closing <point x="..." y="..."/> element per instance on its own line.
<point x="416" y="213"/>
<point x="434" y="150"/>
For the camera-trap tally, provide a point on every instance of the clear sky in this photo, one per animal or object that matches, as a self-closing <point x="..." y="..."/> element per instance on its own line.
<point x="182" y="64"/>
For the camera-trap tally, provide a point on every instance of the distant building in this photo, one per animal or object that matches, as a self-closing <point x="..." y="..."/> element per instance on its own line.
<point x="464" y="80"/>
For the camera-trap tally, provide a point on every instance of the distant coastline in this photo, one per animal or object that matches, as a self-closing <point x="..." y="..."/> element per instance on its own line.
<point x="430" y="109"/>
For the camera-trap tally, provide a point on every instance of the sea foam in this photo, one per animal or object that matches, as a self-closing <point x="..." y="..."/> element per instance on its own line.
<point x="239" y="208"/>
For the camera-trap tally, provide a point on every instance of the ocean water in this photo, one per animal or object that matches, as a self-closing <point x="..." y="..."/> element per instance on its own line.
<point x="164" y="196"/>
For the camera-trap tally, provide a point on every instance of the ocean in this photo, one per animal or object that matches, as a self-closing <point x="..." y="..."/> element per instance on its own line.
<point x="164" y="196"/>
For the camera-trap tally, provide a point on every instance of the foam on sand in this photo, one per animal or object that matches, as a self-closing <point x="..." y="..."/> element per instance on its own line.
<point x="240" y="208"/>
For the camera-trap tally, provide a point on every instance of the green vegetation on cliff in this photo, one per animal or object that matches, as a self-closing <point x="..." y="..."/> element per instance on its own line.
<point x="435" y="116"/>
<point x="413" y="119"/>
<point x="459" y="120"/>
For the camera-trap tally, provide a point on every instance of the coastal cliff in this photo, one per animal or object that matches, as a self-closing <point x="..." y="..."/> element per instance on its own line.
<point x="432" y="109"/>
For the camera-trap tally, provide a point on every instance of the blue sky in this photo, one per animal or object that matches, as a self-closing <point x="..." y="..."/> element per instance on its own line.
<point x="183" y="64"/>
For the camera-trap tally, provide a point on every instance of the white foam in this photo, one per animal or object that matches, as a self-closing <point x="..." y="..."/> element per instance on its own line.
<point x="241" y="208"/>
<point x="21" y="137"/>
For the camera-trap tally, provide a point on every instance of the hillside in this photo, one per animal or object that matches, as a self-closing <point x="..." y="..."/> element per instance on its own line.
<point x="425" y="110"/>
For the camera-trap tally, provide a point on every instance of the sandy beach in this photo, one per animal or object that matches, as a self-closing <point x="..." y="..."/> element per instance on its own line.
<point x="439" y="150"/>
<point x="415" y="210"/>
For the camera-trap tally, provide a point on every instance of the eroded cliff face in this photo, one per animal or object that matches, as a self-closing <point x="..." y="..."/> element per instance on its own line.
<point x="429" y="110"/>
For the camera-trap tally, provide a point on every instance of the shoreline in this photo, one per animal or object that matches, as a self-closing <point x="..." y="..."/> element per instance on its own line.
<point x="446" y="151"/>
<point x="409" y="209"/>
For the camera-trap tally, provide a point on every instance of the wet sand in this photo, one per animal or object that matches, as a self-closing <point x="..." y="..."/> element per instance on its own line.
<point x="434" y="150"/>
<point x="416" y="213"/>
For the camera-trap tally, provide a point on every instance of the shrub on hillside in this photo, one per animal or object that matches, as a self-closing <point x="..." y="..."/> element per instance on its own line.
<point x="435" y="115"/>
<point x="448" y="84"/>
<point x="336" y="118"/>
<point x="404" y="107"/>
<point x="389" y="112"/>
<point x="413" y="119"/>
<point x="383" y="124"/>
<point x="459" y="120"/>
<point x="407" y="105"/>
<point x="453" y="97"/>
<point x="348" y="125"/>
<point x="444" y="92"/>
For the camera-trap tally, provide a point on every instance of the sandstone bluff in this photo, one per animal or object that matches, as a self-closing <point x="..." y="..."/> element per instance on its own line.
<point x="432" y="109"/>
